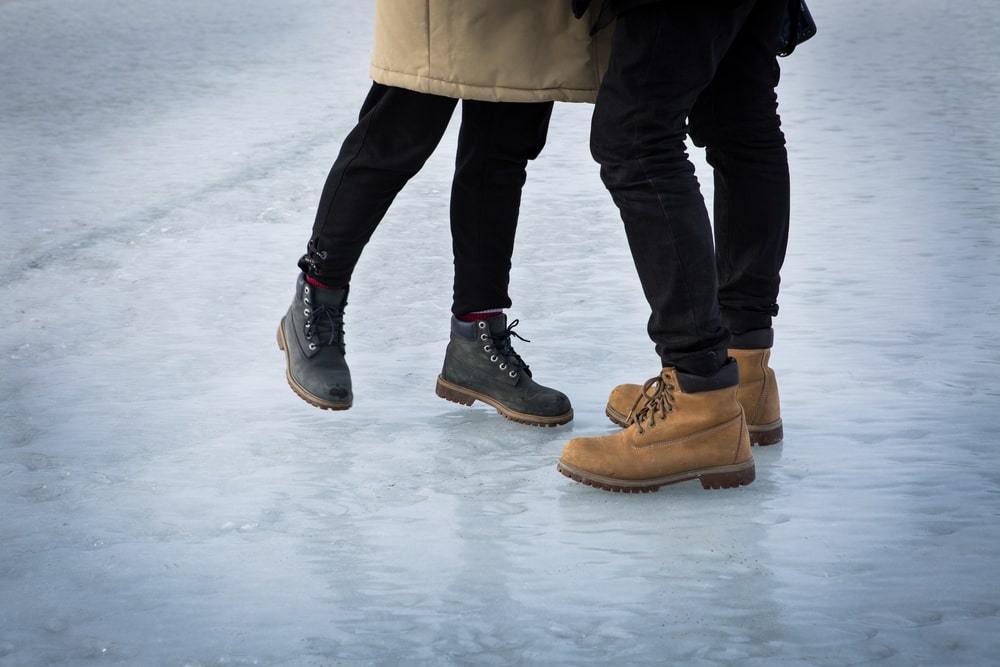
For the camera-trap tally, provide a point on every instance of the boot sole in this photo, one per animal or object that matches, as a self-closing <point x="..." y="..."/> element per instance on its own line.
<point x="718" y="477"/>
<point x="456" y="394"/>
<point x="761" y="435"/>
<point x="299" y="390"/>
<point x="617" y="418"/>
<point x="766" y="434"/>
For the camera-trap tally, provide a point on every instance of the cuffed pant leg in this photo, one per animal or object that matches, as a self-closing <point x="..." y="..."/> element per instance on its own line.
<point x="663" y="56"/>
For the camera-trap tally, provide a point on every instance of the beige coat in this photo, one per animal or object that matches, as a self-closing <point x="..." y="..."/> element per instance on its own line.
<point x="493" y="50"/>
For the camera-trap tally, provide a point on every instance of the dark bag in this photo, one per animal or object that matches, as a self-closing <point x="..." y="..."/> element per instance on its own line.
<point x="796" y="15"/>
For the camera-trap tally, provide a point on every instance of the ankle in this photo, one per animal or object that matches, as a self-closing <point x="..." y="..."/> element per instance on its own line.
<point x="756" y="339"/>
<point x="480" y="315"/>
<point x="727" y="376"/>
<point x="319" y="285"/>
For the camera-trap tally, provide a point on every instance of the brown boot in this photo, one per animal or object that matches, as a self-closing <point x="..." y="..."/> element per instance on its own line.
<point x="673" y="436"/>
<point x="757" y="393"/>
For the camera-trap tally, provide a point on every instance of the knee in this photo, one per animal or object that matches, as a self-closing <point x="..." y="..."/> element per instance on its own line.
<point x="743" y="127"/>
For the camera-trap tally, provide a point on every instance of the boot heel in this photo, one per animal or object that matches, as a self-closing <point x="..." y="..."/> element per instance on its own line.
<point x="450" y="393"/>
<point x="767" y="435"/>
<point x="281" y="335"/>
<point x="729" y="480"/>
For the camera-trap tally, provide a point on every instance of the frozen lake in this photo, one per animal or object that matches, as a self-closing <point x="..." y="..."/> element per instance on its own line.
<point x="165" y="499"/>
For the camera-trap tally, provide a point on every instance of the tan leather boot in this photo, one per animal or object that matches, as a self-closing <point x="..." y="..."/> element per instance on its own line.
<point x="673" y="436"/>
<point x="757" y="393"/>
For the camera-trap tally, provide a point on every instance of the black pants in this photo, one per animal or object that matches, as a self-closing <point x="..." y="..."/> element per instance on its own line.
<point x="713" y="65"/>
<point x="397" y="131"/>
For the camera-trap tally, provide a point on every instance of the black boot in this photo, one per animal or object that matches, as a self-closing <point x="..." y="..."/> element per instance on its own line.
<point x="312" y="336"/>
<point x="481" y="364"/>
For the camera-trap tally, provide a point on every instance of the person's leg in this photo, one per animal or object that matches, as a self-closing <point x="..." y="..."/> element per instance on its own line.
<point x="736" y="119"/>
<point x="663" y="56"/>
<point x="686" y="423"/>
<point x="496" y="141"/>
<point x="397" y="131"/>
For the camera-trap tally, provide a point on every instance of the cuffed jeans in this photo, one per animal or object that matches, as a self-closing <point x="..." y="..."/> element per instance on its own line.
<point x="713" y="65"/>
<point x="397" y="131"/>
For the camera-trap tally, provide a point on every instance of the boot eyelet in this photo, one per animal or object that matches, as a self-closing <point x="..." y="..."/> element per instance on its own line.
<point x="487" y="348"/>
<point x="503" y="367"/>
<point x="312" y="346"/>
<point x="306" y="290"/>
<point x="483" y="337"/>
<point x="513" y="374"/>
<point x="306" y="312"/>
<point x="494" y="358"/>
<point x="482" y="324"/>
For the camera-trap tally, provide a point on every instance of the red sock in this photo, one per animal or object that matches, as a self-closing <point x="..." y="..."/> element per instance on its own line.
<point x="480" y="315"/>
<point x="315" y="283"/>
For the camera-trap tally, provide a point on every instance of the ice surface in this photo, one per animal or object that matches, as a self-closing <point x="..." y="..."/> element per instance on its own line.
<point x="166" y="500"/>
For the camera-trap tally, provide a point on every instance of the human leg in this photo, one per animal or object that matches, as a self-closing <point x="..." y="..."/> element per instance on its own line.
<point x="496" y="141"/>
<point x="735" y="117"/>
<point x="663" y="56"/>
<point x="736" y="120"/>
<point x="687" y="423"/>
<point x="397" y="131"/>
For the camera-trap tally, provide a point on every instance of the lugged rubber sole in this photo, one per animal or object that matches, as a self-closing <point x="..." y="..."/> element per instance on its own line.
<point x="762" y="434"/>
<point x="299" y="390"/>
<point x="718" y="477"/>
<point x="766" y="434"/>
<point x="464" y="396"/>
<point x="617" y="418"/>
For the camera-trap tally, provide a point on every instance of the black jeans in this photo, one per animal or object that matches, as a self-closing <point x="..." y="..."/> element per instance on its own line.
<point x="397" y="131"/>
<point x="713" y="65"/>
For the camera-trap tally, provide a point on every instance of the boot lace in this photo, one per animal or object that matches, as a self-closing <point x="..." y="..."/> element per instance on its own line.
<point x="503" y="347"/>
<point x="324" y="326"/>
<point x="655" y="402"/>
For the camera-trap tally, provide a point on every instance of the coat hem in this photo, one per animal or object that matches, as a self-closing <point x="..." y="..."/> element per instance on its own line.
<point x="490" y="93"/>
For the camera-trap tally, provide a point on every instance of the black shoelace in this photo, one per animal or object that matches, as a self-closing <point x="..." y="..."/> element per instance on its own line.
<point x="503" y="345"/>
<point x="326" y="324"/>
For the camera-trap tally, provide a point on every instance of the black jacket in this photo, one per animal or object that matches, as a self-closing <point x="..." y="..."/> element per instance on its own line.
<point x="612" y="8"/>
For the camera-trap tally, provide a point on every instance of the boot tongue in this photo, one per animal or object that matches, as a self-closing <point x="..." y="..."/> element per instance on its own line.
<point x="328" y="316"/>
<point x="334" y="298"/>
<point x="497" y="324"/>
<point x="501" y="335"/>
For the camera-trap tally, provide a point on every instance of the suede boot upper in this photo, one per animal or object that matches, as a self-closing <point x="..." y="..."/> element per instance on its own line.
<point x="481" y="364"/>
<point x="757" y="394"/>
<point x="674" y="436"/>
